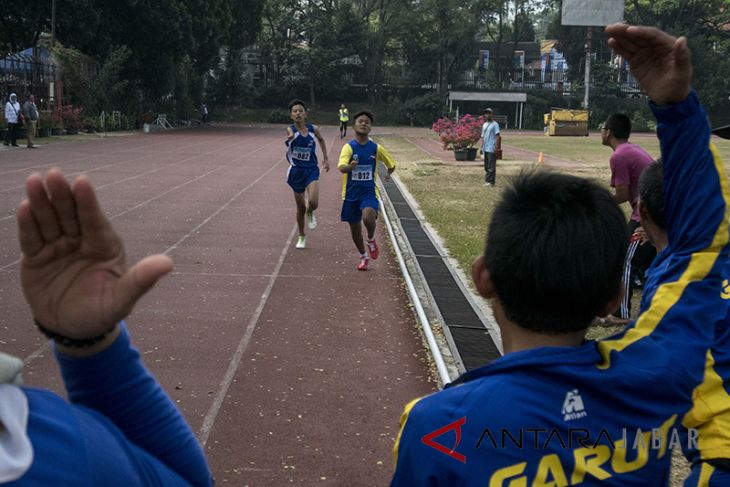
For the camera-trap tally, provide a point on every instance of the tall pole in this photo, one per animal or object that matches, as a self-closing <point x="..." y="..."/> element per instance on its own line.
<point x="53" y="22"/>
<point x="589" y="43"/>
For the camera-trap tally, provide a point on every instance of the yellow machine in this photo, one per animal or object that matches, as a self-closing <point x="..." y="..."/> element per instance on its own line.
<point x="561" y="121"/>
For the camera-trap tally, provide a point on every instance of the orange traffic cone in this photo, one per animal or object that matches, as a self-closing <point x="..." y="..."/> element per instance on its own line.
<point x="541" y="158"/>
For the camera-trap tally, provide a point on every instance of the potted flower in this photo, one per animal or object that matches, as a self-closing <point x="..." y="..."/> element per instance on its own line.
<point x="44" y="123"/>
<point x="71" y="119"/>
<point x="56" y="122"/>
<point x="461" y="136"/>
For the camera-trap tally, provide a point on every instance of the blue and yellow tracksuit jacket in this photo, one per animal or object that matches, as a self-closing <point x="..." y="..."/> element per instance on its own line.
<point x="708" y="422"/>
<point x="605" y="411"/>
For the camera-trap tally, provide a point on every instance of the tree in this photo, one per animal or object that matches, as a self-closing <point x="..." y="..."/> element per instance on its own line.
<point x="706" y="24"/>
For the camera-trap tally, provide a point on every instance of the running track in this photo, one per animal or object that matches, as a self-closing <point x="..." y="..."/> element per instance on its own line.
<point x="291" y="366"/>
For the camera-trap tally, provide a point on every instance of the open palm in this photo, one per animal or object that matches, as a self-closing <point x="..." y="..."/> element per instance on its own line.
<point x="73" y="270"/>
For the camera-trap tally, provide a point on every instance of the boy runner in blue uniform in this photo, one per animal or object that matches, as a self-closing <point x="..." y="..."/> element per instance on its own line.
<point x="555" y="409"/>
<point x="303" y="174"/>
<point x="359" y="164"/>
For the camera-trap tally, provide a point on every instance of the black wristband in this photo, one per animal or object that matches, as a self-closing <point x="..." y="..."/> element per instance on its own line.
<point x="71" y="342"/>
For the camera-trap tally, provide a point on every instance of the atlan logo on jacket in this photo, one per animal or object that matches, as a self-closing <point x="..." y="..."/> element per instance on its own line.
<point x="573" y="406"/>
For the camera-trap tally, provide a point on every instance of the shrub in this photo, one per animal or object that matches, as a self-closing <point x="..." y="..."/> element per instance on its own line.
<point x="71" y="116"/>
<point x="463" y="134"/>
<point x="279" y="115"/>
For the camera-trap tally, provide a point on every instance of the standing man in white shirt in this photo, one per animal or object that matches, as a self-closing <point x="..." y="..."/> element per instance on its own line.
<point x="490" y="134"/>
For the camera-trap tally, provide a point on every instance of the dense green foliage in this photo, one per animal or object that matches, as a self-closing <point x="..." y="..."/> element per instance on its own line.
<point x="400" y="55"/>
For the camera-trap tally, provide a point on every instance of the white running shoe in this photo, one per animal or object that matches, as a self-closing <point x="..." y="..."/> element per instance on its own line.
<point x="311" y="220"/>
<point x="302" y="242"/>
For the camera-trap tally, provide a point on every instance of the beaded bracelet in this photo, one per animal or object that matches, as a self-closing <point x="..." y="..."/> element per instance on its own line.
<point x="71" y="342"/>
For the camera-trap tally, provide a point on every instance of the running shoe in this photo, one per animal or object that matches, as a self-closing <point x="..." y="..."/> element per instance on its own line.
<point x="373" y="249"/>
<point x="363" y="265"/>
<point x="311" y="220"/>
<point x="302" y="242"/>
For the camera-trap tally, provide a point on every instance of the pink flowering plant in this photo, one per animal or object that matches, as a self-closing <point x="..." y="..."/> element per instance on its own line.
<point x="463" y="134"/>
<point x="71" y="116"/>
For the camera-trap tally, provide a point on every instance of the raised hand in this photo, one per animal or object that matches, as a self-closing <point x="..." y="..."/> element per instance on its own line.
<point x="73" y="269"/>
<point x="662" y="64"/>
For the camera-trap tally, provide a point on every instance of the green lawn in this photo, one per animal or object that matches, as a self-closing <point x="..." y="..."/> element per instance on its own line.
<point x="458" y="206"/>
<point x="580" y="149"/>
<point x="590" y="150"/>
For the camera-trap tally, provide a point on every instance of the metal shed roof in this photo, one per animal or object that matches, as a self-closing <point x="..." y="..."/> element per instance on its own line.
<point x="482" y="96"/>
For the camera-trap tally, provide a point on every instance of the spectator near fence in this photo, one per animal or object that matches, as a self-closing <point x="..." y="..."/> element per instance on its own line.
<point x="14" y="118"/>
<point x="30" y="111"/>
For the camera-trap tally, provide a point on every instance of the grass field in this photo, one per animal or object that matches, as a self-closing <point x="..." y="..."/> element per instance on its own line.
<point x="458" y="206"/>
<point x="454" y="200"/>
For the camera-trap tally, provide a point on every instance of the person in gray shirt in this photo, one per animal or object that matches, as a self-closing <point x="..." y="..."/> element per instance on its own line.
<point x="30" y="111"/>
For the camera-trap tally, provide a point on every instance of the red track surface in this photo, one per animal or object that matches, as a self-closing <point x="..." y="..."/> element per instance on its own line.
<point x="290" y="365"/>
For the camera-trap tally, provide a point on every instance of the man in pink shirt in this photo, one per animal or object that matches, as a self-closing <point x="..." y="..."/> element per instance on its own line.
<point x="627" y="163"/>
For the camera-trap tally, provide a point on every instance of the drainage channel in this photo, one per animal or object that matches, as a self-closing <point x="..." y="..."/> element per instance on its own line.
<point x="468" y="336"/>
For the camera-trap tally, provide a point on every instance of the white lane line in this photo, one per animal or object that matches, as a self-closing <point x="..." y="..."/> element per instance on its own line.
<point x="225" y="205"/>
<point x="76" y="161"/>
<point x="37" y="353"/>
<point x="40" y="350"/>
<point x="9" y="217"/>
<point x="212" y="414"/>
<point x="146" y="202"/>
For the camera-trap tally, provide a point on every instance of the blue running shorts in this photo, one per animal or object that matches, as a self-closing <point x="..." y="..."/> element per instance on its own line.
<point x="352" y="210"/>
<point x="300" y="177"/>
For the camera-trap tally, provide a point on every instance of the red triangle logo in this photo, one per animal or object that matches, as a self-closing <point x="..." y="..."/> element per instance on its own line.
<point x="456" y="426"/>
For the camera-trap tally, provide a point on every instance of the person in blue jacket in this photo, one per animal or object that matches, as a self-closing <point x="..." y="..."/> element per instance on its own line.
<point x="118" y="427"/>
<point x="555" y="409"/>
<point x="705" y="436"/>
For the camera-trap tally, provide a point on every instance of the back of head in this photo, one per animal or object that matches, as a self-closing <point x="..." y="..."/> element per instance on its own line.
<point x="555" y="251"/>
<point x="620" y="125"/>
<point x="651" y="193"/>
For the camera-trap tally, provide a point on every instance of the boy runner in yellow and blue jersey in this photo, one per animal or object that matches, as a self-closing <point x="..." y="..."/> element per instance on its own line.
<point x="705" y="437"/>
<point x="303" y="174"/>
<point x="359" y="164"/>
<point x="555" y="409"/>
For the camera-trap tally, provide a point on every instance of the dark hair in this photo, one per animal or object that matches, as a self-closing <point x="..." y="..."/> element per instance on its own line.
<point x="620" y="125"/>
<point x="555" y="251"/>
<point x="651" y="192"/>
<point x="296" y="102"/>
<point x="367" y="113"/>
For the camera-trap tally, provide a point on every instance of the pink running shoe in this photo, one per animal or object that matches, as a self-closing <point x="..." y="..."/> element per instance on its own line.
<point x="363" y="265"/>
<point x="373" y="249"/>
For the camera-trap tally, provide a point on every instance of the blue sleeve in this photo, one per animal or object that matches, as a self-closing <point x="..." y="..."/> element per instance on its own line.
<point x="695" y="186"/>
<point x="116" y="384"/>
<point x="680" y="305"/>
